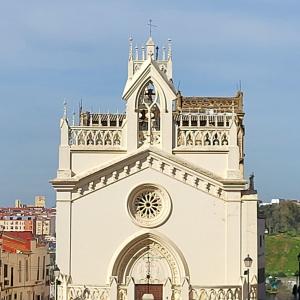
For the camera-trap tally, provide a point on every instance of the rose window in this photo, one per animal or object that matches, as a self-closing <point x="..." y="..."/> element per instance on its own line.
<point x="149" y="206"/>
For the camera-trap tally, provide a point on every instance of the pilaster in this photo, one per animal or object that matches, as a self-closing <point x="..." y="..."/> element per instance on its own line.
<point x="233" y="238"/>
<point x="113" y="289"/>
<point x="64" y="162"/>
<point x="185" y="290"/>
<point x="167" y="290"/>
<point x="233" y="171"/>
<point x="130" y="289"/>
<point x="63" y="231"/>
<point x="249" y="231"/>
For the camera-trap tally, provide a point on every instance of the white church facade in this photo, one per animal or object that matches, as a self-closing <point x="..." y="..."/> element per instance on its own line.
<point x="152" y="203"/>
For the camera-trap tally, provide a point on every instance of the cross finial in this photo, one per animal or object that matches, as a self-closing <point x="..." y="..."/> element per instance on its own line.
<point x="150" y="27"/>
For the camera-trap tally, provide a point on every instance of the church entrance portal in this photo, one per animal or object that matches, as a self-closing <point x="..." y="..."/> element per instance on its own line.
<point x="153" y="289"/>
<point x="152" y="260"/>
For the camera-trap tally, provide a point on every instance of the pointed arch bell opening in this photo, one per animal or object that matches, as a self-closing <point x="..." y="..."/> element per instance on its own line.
<point x="149" y="105"/>
<point x="148" y="259"/>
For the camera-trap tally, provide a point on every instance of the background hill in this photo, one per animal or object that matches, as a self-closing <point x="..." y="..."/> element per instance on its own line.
<point x="283" y="217"/>
<point x="283" y="241"/>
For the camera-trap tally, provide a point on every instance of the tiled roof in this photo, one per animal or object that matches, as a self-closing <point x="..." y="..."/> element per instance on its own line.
<point x="17" y="241"/>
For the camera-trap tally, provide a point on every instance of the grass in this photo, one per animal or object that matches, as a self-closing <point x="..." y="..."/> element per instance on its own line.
<point x="281" y="254"/>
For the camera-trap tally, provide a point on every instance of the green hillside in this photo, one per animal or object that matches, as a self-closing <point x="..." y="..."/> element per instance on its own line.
<point x="283" y="241"/>
<point x="281" y="254"/>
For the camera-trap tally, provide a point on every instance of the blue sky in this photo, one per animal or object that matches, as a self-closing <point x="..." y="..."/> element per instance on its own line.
<point x="56" y="50"/>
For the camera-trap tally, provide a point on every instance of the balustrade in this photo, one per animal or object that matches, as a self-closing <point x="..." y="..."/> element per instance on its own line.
<point x="93" y="136"/>
<point x="217" y="293"/>
<point x="199" y="137"/>
<point x="87" y="292"/>
<point x="203" y="119"/>
<point x="82" y="292"/>
<point x="202" y="129"/>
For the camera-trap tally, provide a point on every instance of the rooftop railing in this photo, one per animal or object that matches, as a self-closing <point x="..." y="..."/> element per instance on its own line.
<point x="202" y="130"/>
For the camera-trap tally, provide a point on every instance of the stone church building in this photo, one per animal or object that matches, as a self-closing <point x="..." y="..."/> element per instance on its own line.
<point x="153" y="203"/>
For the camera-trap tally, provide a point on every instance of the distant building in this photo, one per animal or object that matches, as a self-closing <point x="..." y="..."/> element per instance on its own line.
<point x="265" y="203"/>
<point x="18" y="203"/>
<point x="276" y="201"/>
<point x="40" y="201"/>
<point x="24" y="267"/>
<point x="15" y="223"/>
<point x="36" y="219"/>
<point x="42" y="226"/>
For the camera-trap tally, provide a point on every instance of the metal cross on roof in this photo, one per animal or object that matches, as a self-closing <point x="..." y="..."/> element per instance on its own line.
<point x="150" y="27"/>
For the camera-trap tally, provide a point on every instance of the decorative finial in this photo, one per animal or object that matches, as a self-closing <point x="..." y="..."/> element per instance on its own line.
<point x="73" y="118"/>
<point x="143" y="53"/>
<point x="130" y="48"/>
<point x="65" y="109"/>
<point x="136" y="53"/>
<point x="169" y="48"/>
<point x="164" y="53"/>
<point x="150" y="27"/>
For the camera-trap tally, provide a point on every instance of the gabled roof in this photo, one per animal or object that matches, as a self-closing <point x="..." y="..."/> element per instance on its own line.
<point x="149" y="67"/>
<point x="148" y="157"/>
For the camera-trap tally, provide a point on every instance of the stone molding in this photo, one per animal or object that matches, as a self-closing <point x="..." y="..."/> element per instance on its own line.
<point x="183" y="171"/>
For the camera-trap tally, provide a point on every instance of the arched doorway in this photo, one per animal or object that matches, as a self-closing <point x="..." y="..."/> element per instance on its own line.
<point x="152" y="263"/>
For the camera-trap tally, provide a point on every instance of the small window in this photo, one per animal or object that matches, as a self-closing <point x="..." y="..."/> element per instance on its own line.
<point x="26" y="270"/>
<point x="38" y="270"/>
<point x="11" y="276"/>
<point x="20" y="271"/>
<point x="44" y="266"/>
<point x="5" y="270"/>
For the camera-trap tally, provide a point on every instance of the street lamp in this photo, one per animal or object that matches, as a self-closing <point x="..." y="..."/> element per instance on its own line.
<point x="56" y="272"/>
<point x="248" y="262"/>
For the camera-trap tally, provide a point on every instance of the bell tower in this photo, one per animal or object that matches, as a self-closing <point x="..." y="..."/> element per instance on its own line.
<point x="149" y="92"/>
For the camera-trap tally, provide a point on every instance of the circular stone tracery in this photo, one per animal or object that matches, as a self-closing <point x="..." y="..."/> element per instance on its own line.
<point x="149" y="206"/>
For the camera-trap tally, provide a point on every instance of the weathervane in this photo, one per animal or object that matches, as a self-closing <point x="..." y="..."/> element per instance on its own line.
<point x="150" y="27"/>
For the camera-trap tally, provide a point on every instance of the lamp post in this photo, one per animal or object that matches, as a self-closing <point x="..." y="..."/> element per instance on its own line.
<point x="248" y="262"/>
<point x="56" y="272"/>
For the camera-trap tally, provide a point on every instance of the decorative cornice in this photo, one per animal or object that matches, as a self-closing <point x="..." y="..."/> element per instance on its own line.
<point x="221" y="104"/>
<point x="178" y="169"/>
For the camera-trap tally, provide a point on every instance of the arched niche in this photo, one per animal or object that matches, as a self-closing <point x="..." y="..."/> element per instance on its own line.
<point x="133" y="257"/>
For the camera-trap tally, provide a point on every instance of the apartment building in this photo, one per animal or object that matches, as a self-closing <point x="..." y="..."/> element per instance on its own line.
<point x="24" y="266"/>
